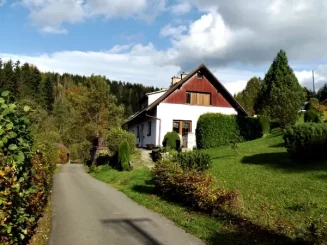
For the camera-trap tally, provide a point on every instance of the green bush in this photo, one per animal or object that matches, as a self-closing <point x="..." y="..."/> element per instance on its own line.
<point x="124" y="156"/>
<point x="250" y="127"/>
<point x="194" y="160"/>
<point x="25" y="175"/>
<point x="192" y="188"/>
<point x="171" y="140"/>
<point x="265" y="124"/>
<point x="312" y="115"/>
<point x="215" y="129"/>
<point x="307" y="142"/>
<point x="118" y="135"/>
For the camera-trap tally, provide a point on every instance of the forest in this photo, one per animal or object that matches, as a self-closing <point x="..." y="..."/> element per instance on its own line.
<point x="70" y="109"/>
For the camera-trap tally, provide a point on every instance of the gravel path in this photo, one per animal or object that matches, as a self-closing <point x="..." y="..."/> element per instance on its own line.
<point x="88" y="211"/>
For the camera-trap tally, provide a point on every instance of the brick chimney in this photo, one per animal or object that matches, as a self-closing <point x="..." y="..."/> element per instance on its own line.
<point x="174" y="80"/>
<point x="183" y="75"/>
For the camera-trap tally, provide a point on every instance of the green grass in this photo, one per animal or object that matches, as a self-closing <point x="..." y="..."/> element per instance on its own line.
<point x="273" y="188"/>
<point x="269" y="180"/>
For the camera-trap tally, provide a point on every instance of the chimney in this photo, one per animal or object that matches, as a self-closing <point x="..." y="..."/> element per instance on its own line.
<point x="183" y="75"/>
<point x="174" y="80"/>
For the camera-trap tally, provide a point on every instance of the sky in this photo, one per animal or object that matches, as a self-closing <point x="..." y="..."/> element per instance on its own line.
<point x="149" y="41"/>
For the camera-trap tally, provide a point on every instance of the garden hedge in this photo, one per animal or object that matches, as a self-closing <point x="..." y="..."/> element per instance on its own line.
<point x="307" y="142"/>
<point x="312" y="115"/>
<point x="215" y="129"/>
<point x="124" y="156"/>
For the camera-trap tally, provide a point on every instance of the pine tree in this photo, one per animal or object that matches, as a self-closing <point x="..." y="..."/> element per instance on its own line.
<point x="281" y="95"/>
<point x="35" y="83"/>
<point x="48" y="92"/>
<point x="9" y="77"/>
<point x="26" y="76"/>
<point x="1" y="74"/>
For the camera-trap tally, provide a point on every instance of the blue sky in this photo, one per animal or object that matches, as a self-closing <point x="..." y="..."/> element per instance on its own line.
<point x="149" y="41"/>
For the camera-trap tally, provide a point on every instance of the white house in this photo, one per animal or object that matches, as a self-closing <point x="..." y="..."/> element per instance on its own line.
<point x="179" y="107"/>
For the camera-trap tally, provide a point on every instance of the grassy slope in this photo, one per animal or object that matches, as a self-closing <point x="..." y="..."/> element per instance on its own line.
<point x="267" y="178"/>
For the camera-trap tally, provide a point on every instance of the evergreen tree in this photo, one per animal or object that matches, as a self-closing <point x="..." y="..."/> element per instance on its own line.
<point x="249" y="96"/>
<point x="9" y="78"/>
<point x="26" y="76"/>
<point x="17" y="78"/>
<point x="1" y="74"/>
<point x="281" y="95"/>
<point x="35" y="83"/>
<point x="322" y="94"/>
<point x="48" y="92"/>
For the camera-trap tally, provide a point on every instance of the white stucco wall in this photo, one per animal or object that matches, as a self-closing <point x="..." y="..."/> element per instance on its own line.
<point x="153" y="97"/>
<point x="169" y="112"/>
<point x="147" y="139"/>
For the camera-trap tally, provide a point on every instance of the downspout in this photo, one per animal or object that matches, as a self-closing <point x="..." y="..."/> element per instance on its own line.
<point x="159" y="126"/>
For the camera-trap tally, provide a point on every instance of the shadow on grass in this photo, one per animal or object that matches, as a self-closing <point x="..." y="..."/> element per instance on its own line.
<point x="237" y="230"/>
<point x="281" y="160"/>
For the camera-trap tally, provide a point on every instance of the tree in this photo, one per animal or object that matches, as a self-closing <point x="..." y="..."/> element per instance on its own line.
<point x="48" y="93"/>
<point x="281" y="95"/>
<point x="322" y="94"/>
<point x="10" y="82"/>
<point x="249" y="96"/>
<point x="35" y="83"/>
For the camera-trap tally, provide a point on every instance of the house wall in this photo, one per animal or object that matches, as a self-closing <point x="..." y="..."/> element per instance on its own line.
<point x="169" y="112"/>
<point x="147" y="139"/>
<point x="197" y="85"/>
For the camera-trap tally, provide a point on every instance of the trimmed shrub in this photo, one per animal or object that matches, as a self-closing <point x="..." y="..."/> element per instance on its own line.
<point x="307" y="142"/>
<point x="215" y="129"/>
<point x="265" y="124"/>
<point x="194" y="160"/>
<point x="118" y="135"/>
<point x="124" y="156"/>
<point x="250" y="127"/>
<point x="312" y="116"/>
<point x="171" y="140"/>
<point x="192" y="188"/>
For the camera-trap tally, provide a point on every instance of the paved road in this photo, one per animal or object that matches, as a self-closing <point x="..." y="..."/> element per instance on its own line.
<point x="88" y="211"/>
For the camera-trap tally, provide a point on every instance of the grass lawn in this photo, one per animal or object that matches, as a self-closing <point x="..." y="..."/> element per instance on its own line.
<point x="272" y="187"/>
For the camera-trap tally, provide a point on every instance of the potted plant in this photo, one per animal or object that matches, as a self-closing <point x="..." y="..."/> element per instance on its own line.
<point x="149" y="146"/>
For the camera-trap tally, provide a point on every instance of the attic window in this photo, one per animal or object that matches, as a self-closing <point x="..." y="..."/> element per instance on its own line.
<point x="199" y="75"/>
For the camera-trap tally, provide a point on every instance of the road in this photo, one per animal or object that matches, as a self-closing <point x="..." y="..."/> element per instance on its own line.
<point x="88" y="211"/>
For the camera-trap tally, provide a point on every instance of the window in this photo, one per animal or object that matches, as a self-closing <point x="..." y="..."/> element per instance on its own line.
<point x="149" y="128"/>
<point x="138" y="132"/>
<point x="199" y="75"/>
<point x="182" y="127"/>
<point x="193" y="98"/>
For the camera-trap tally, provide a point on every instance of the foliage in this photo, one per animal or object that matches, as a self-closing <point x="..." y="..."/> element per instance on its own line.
<point x="249" y="96"/>
<point x="61" y="156"/>
<point x="307" y="142"/>
<point x="281" y="95"/>
<point x="192" y="188"/>
<point x="215" y="129"/>
<point x="250" y="127"/>
<point x="171" y="140"/>
<point x="25" y="175"/>
<point x="265" y="124"/>
<point x="322" y="93"/>
<point x="312" y="116"/>
<point x="194" y="160"/>
<point x="117" y="135"/>
<point x="124" y="156"/>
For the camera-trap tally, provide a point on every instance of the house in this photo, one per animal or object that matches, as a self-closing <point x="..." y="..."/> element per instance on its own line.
<point x="179" y="107"/>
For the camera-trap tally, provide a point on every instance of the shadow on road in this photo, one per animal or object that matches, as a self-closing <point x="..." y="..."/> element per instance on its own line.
<point x="132" y="227"/>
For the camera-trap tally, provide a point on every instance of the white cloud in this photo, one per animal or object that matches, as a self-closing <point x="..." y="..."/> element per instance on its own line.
<point x="182" y="7"/>
<point x="50" y="15"/>
<point x="170" y="30"/>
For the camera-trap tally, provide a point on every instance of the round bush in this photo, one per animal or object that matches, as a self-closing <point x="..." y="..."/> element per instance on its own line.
<point x="312" y="116"/>
<point x="171" y="140"/>
<point x="118" y="135"/>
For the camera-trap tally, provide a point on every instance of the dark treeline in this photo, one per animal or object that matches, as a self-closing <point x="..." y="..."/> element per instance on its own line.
<point x="25" y="81"/>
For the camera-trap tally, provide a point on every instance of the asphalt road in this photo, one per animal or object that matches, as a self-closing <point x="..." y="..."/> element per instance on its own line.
<point x="88" y="211"/>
